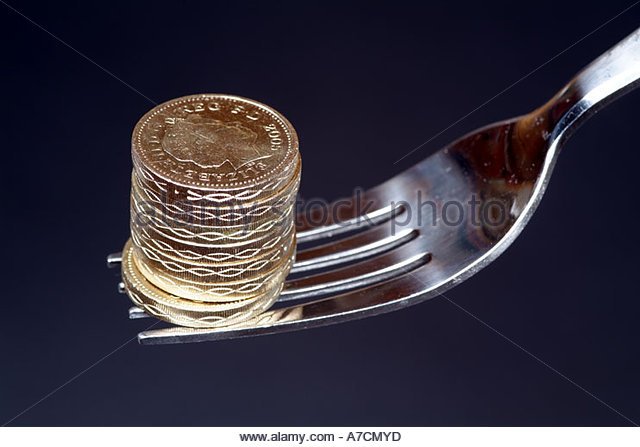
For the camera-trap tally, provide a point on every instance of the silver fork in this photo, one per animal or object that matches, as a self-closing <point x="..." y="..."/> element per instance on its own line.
<point x="407" y="245"/>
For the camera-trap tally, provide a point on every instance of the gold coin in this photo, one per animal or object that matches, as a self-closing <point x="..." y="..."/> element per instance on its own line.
<point x="229" y="241"/>
<point x="174" y="277"/>
<point x="202" y="284"/>
<point x="173" y="309"/>
<point x="197" y="272"/>
<point x="146" y="202"/>
<point x="241" y="197"/>
<point x="147" y="213"/>
<point x="213" y="142"/>
<point x="200" y="271"/>
<point x="209" y="255"/>
<point x="212" y="209"/>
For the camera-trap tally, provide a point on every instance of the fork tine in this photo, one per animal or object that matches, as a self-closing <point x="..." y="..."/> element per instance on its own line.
<point x="342" y="216"/>
<point x="136" y="313"/>
<point x="368" y="243"/>
<point x="362" y="274"/>
<point x="395" y="294"/>
<point x="114" y="259"/>
<point x="341" y="209"/>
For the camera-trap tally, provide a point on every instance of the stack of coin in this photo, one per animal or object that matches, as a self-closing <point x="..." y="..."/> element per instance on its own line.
<point x="213" y="192"/>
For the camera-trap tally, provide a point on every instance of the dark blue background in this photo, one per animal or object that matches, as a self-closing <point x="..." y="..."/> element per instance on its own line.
<point x="363" y="83"/>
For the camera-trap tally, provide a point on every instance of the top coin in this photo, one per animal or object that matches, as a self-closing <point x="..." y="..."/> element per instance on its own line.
<point x="214" y="142"/>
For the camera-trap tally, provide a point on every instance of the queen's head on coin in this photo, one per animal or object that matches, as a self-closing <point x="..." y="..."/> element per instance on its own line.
<point x="210" y="143"/>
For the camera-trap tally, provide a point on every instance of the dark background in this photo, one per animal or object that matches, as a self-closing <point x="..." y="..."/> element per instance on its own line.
<point x="363" y="83"/>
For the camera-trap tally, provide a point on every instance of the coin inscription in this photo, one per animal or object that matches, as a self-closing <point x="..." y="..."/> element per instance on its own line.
<point x="214" y="141"/>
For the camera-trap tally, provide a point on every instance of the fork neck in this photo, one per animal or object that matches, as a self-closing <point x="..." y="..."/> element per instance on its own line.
<point x="607" y="78"/>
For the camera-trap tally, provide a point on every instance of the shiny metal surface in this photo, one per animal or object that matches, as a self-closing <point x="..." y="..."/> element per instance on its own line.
<point x="505" y="166"/>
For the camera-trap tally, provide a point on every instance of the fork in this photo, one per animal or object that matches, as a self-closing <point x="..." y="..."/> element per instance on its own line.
<point x="399" y="244"/>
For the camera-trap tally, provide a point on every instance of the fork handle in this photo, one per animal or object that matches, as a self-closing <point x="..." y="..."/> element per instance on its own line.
<point x="610" y="76"/>
<point x="607" y="78"/>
